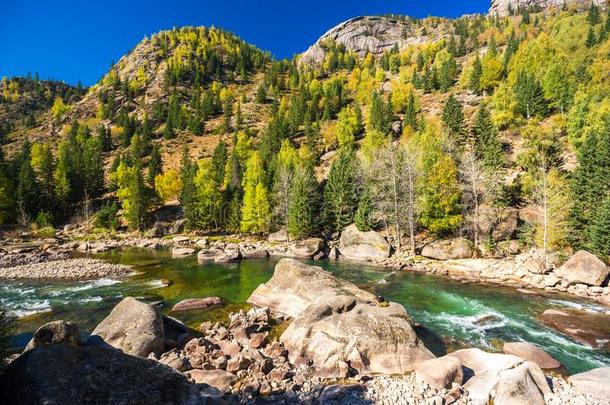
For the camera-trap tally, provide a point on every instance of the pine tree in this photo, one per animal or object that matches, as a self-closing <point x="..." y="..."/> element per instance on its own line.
<point x="219" y="161"/>
<point x="103" y="136"/>
<point x="188" y="170"/>
<point x="593" y="16"/>
<point x="529" y="96"/>
<point x="155" y="164"/>
<point x="600" y="231"/>
<point x="474" y="82"/>
<point x="453" y="119"/>
<point x="27" y="187"/>
<point x="381" y="114"/>
<point x="411" y="112"/>
<point x="304" y="202"/>
<point x="340" y="191"/>
<point x="261" y="94"/>
<point x="364" y="213"/>
<point x="485" y="135"/>
<point x="591" y="40"/>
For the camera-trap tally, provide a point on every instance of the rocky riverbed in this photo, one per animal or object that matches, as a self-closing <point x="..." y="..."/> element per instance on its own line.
<point x="308" y="339"/>
<point x="71" y="269"/>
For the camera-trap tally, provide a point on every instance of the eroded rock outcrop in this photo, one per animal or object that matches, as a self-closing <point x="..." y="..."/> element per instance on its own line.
<point x="504" y="7"/>
<point x="448" y="249"/>
<point x="589" y="328"/>
<point x="595" y="382"/>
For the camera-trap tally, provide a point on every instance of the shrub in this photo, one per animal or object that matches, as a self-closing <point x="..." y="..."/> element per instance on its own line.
<point x="106" y="217"/>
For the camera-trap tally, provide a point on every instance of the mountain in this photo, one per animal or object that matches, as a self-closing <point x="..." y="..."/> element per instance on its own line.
<point x="504" y="8"/>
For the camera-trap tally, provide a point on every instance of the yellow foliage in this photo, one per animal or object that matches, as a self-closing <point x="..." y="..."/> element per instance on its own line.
<point x="168" y="185"/>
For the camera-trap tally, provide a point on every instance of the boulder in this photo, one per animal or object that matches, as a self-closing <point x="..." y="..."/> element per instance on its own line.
<point x="196" y="303"/>
<point x="441" y="372"/>
<point x="480" y="362"/>
<point x="589" y="328"/>
<point x="181" y="240"/>
<point x="178" y="252"/>
<point x="216" y="378"/>
<point x="522" y="385"/>
<point x="254" y="253"/>
<point x="306" y="249"/>
<point x="294" y="286"/>
<point x="363" y="246"/>
<point x="175" y="360"/>
<point x="333" y="322"/>
<point x="134" y="327"/>
<point x="64" y="374"/>
<point x="55" y="332"/>
<point x="584" y="268"/>
<point x="595" y="382"/>
<point x="279" y="236"/>
<point x="531" y="353"/>
<point x="229" y="256"/>
<point x="206" y="255"/>
<point x="448" y="249"/>
<point x="370" y="338"/>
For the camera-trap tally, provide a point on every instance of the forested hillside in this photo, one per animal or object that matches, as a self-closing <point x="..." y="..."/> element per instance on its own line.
<point x="439" y="135"/>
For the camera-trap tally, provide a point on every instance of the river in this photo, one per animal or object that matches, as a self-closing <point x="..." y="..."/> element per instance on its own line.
<point x="454" y="314"/>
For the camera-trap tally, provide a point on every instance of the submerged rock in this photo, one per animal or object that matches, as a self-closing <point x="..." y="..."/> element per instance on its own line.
<point x="196" y="303"/>
<point x="589" y="328"/>
<point x="134" y="327"/>
<point x="363" y="246"/>
<point x="63" y="374"/>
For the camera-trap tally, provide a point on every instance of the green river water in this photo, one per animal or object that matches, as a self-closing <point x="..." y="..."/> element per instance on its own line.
<point x="454" y="314"/>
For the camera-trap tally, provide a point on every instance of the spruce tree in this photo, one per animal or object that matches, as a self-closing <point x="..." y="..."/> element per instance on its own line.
<point x="155" y="164"/>
<point x="453" y="119"/>
<point x="133" y="195"/>
<point x="27" y="187"/>
<point x="411" y="112"/>
<point x="340" y="191"/>
<point x="485" y="135"/>
<point x="591" y="40"/>
<point x="304" y="202"/>
<point x="529" y="96"/>
<point x="381" y="115"/>
<point x="219" y="161"/>
<point x="600" y="230"/>
<point x="474" y="82"/>
<point x="364" y="213"/>
<point x="187" y="198"/>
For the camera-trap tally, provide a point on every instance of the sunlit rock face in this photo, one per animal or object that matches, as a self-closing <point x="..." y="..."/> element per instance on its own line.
<point x="504" y="7"/>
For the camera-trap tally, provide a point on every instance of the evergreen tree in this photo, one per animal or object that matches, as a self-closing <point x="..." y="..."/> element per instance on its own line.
<point x="381" y="114"/>
<point x="486" y="144"/>
<point x="529" y="96"/>
<point x="340" y="191"/>
<point x="188" y="170"/>
<point x="593" y="16"/>
<point x="364" y="213"/>
<point x="155" y="164"/>
<point x="103" y="138"/>
<point x="411" y="112"/>
<point x="600" y="230"/>
<point x="453" y="119"/>
<point x="474" y="82"/>
<point x="304" y="202"/>
<point x="591" y="40"/>
<point x="132" y="194"/>
<point x="208" y="199"/>
<point x="261" y="94"/>
<point x="219" y="161"/>
<point x="27" y="187"/>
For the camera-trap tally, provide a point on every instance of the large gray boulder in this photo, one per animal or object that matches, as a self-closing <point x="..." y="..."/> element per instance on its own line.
<point x="449" y="249"/>
<point x="64" y="374"/>
<point x="595" y="382"/>
<point x="53" y="333"/>
<point x="583" y="268"/>
<point x="294" y="286"/>
<point x="363" y="246"/>
<point x="337" y="323"/>
<point x="134" y="327"/>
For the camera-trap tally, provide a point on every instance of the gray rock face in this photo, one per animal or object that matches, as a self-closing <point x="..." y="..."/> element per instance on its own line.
<point x="372" y="34"/>
<point x="503" y="7"/>
<point x="63" y="374"/>
<point x="295" y="286"/>
<point x="585" y="268"/>
<point x="134" y="327"/>
<point x="336" y="323"/>
<point x="595" y="382"/>
<point x="363" y="246"/>
<point x="55" y="332"/>
<point x="449" y="249"/>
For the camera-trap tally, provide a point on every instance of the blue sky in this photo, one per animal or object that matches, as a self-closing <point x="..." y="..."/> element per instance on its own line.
<point x="78" y="39"/>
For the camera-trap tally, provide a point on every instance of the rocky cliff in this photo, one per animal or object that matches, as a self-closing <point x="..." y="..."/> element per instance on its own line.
<point x="503" y="7"/>
<point x="374" y="34"/>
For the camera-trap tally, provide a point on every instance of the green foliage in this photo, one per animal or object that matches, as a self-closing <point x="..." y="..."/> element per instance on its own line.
<point x="411" y="112"/>
<point x="187" y="196"/>
<point x="453" y="119"/>
<point x="168" y="185"/>
<point x="27" y="187"/>
<point x="209" y="199"/>
<point x="305" y="202"/>
<point x="474" y="81"/>
<point x="529" y="96"/>
<point x="340" y="191"/>
<point x="7" y="327"/>
<point x="348" y="126"/>
<point x="381" y="114"/>
<point x="256" y="210"/>
<point x="600" y="230"/>
<point x="363" y="217"/>
<point x="107" y="216"/>
<point x="155" y="164"/>
<point x="133" y="195"/>
<point x="486" y="144"/>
